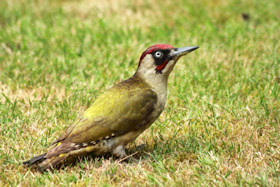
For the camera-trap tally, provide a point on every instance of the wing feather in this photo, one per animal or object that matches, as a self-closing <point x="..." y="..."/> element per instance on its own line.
<point x="122" y="108"/>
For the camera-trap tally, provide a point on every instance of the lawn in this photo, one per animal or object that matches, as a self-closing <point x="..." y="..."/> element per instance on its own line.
<point x="221" y="124"/>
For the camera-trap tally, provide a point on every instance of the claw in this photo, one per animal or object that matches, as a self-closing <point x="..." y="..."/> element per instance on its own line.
<point x="140" y="147"/>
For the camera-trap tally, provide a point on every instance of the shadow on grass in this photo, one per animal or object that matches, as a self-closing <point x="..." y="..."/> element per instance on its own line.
<point x="180" y="149"/>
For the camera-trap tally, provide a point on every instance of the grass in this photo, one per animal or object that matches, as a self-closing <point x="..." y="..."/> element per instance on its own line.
<point x="221" y="122"/>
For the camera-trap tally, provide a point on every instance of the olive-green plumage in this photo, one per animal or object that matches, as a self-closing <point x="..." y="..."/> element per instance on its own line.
<point x="123" y="108"/>
<point x="121" y="114"/>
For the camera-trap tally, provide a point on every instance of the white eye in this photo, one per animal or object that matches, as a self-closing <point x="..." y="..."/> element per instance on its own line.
<point x="158" y="54"/>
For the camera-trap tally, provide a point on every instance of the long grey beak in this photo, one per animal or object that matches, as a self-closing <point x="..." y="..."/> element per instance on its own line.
<point x="183" y="51"/>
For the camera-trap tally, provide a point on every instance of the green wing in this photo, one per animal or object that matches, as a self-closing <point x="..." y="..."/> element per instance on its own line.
<point x="123" y="108"/>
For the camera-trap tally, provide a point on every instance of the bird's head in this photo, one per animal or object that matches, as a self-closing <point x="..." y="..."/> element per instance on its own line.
<point x="161" y="58"/>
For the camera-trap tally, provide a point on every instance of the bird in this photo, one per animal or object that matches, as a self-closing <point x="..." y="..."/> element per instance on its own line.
<point x="119" y="115"/>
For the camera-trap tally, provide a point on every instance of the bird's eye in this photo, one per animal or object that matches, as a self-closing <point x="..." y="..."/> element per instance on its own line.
<point x="158" y="54"/>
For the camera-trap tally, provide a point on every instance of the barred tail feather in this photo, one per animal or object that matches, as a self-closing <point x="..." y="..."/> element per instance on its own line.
<point x="52" y="162"/>
<point x="35" y="160"/>
<point x="62" y="153"/>
<point x="42" y="163"/>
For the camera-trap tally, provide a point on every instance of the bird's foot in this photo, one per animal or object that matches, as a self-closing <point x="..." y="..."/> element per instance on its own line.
<point x="140" y="147"/>
<point x="121" y="154"/>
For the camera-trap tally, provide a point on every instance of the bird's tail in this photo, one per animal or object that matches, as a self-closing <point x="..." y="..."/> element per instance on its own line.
<point x="59" y="154"/>
<point x="35" y="160"/>
<point x="42" y="163"/>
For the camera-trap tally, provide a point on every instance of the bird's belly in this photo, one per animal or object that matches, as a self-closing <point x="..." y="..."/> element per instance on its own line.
<point x="124" y="139"/>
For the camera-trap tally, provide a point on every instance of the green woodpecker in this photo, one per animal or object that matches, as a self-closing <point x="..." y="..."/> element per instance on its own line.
<point x="121" y="114"/>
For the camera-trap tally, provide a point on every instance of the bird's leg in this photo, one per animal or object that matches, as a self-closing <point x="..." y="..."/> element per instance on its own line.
<point x="119" y="152"/>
